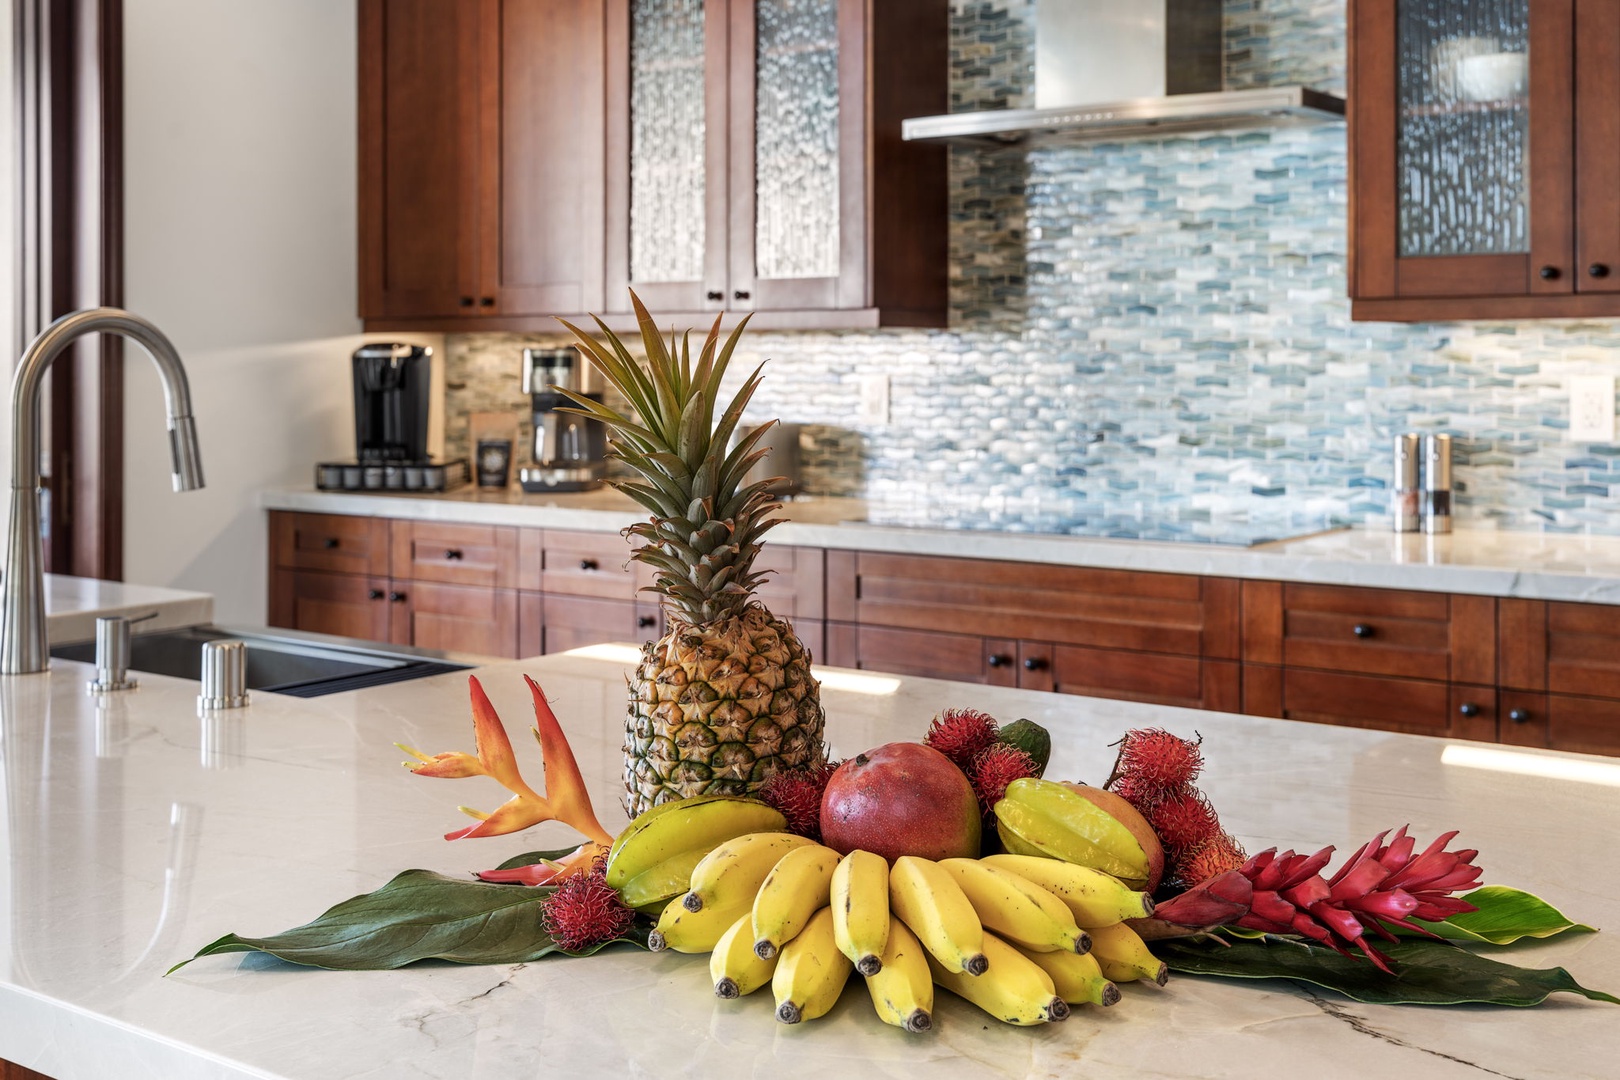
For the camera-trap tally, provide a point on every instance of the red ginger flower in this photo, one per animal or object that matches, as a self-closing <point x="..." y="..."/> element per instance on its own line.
<point x="1380" y="886"/>
<point x="962" y="735"/>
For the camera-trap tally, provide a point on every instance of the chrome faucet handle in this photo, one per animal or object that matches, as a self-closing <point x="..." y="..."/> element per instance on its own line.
<point x="224" y="675"/>
<point x="112" y="653"/>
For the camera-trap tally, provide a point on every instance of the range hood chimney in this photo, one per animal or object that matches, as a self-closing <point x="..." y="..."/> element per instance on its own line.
<point x="1106" y="69"/>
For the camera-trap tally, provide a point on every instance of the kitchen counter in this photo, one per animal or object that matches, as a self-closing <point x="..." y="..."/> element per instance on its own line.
<point x="1532" y="566"/>
<point x="133" y="833"/>
<point x="72" y="605"/>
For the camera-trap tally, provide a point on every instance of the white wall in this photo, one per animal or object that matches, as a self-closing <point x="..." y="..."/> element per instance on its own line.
<point x="240" y="231"/>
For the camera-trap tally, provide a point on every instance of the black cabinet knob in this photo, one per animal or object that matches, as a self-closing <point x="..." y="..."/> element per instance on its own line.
<point x="453" y="554"/>
<point x="466" y="301"/>
<point x="1598" y="270"/>
<point x="1034" y="663"/>
<point x="1519" y="716"/>
<point x="716" y="294"/>
<point x="329" y="543"/>
<point x="1549" y="273"/>
<point x="998" y="660"/>
<point x="588" y="564"/>
<point x="645" y="622"/>
<point x="486" y="301"/>
<point x="1469" y="709"/>
<point x="397" y="597"/>
<point x="741" y="294"/>
<point x="376" y="594"/>
<point x="1362" y="630"/>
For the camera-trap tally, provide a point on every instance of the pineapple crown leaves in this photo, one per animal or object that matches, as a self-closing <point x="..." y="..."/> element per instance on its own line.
<point x="704" y="532"/>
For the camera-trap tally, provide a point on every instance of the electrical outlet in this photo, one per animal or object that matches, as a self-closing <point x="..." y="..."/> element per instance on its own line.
<point x="1591" y="408"/>
<point x="874" y="398"/>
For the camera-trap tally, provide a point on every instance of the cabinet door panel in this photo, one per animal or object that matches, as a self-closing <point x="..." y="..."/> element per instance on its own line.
<point x="340" y="543"/>
<point x="1597" y="146"/>
<point x="963" y="657"/>
<point x="455" y="554"/>
<point x="1583" y="650"/>
<point x="1415" y="706"/>
<point x="343" y="604"/>
<point x="461" y="618"/>
<point x="586" y="564"/>
<point x="1132" y="676"/>
<point x="1587" y="725"/>
<point x="572" y="622"/>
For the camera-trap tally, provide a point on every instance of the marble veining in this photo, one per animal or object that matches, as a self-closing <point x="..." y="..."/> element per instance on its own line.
<point x="116" y="863"/>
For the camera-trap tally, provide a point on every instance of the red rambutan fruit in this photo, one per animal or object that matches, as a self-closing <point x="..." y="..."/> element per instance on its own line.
<point x="1156" y="757"/>
<point x="1141" y="793"/>
<point x="1214" y="858"/>
<point x="585" y="911"/>
<point x="994" y="768"/>
<point x="1184" y="821"/>
<point x="797" y="794"/>
<point x="961" y="735"/>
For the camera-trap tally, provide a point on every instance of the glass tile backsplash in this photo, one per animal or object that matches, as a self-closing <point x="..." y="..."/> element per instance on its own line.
<point x="1156" y="331"/>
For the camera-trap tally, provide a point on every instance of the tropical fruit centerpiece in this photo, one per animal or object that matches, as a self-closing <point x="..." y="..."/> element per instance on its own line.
<point x="725" y="699"/>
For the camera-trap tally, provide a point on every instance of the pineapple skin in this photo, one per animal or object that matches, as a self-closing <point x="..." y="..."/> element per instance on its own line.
<point x="718" y="709"/>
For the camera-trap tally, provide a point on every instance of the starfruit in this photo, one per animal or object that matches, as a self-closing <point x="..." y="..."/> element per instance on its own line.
<point x="1044" y="817"/>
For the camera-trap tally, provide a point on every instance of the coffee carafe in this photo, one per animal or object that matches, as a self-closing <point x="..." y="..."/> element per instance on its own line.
<point x="568" y="451"/>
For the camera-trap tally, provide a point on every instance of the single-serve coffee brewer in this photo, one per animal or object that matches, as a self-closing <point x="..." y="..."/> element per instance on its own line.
<point x="392" y="393"/>
<point x="569" y="452"/>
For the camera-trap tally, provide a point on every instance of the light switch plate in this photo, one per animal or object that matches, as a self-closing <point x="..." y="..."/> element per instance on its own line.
<point x="874" y="398"/>
<point x="1591" y="408"/>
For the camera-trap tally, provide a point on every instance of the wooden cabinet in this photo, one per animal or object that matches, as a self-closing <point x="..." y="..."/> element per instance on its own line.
<point x="482" y="150"/>
<point x="1560" y="666"/>
<point x="755" y="160"/>
<point x="1484" y="145"/>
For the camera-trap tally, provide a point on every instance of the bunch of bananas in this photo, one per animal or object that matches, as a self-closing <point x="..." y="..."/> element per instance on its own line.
<point x="1023" y="937"/>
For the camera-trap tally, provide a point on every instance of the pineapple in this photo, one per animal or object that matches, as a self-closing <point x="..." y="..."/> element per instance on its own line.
<point x="725" y="699"/>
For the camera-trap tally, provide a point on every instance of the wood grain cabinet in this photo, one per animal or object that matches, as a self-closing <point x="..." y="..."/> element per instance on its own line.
<point x="1561" y="674"/>
<point x="1485" y="153"/>
<point x="482" y="155"/>
<point x="755" y="160"/>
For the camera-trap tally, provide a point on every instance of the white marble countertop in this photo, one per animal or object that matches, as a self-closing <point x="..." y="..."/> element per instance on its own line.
<point x="73" y="603"/>
<point x="133" y="833"/>
<point x="1533" y="566"/>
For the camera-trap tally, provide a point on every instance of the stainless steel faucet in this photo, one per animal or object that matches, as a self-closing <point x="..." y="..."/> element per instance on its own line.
<point x="22" y="609"/>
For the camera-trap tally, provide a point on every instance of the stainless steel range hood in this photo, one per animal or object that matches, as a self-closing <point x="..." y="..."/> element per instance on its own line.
<point x="1106" y="70"/>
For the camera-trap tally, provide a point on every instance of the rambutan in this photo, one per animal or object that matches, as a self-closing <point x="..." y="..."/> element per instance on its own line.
<point x="1156" y="757"/>
<point x="994" y="768"/>
<point x="797" y="793"/>
<point x="1139" y="792"/>
<point x="1185" y="821"/>
<point x="1215" y="857"/>
<point x="961" y="735"/>
<point x="585" y="911"/>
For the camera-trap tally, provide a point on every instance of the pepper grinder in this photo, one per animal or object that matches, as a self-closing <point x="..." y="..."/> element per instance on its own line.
<point x="1437" y="483"/>
<point x="1405" y="504"/>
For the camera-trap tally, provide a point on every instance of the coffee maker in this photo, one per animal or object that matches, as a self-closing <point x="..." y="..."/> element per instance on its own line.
<point x="392" y="392"/>
<point x="569" y="452"/>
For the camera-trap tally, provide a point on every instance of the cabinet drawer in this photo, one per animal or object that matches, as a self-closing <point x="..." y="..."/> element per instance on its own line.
<point x="570" y="622"/>
<point x="462" y="618"/>
<point x="584" y="564"/>
<point x="1583" y="649"/>
<point x="1415" y="706"/>
<point x="1415" y="635"/>
<point x="1587" y="725"/>
<point x="1166" y="680"/>
<point x="933" y="655"/>
<point x="348" y="605"/>
<point x="455" y="554"/>
<point x="341" y="543"/>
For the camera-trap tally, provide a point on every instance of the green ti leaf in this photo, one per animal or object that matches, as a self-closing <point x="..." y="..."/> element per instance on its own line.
<point x="1505" y="915"/>
<point x="419" y="915"/>
<point x="1427" y="972"/>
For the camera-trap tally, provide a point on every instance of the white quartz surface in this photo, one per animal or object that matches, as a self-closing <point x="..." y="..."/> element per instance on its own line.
<point x="72" y="605"/>
<point x="1531" y="566"/>
<point x="133" y="833"/>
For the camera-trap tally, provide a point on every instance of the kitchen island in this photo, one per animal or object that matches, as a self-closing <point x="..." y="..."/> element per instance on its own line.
<point x="135" y="832"/>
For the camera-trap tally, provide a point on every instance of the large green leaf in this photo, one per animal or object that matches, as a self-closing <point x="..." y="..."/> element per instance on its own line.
<point x="1505" y="915"/>
<point x="419" y="915"/>
<point x="1427" y="972"/>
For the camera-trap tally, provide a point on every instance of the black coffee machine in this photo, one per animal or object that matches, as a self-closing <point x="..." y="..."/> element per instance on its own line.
<point x="392" y="391"/>
<point x="569" y="452"/>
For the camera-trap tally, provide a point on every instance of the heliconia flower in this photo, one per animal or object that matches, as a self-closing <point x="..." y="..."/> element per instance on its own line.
<point x="549" y="872"/>
<point x="566" y="799"/>
<point x="1379" y="887"/>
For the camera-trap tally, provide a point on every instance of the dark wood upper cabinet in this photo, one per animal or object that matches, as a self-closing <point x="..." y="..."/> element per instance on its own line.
<point x="1484" y="159"/>
<point x="481" y="159"/>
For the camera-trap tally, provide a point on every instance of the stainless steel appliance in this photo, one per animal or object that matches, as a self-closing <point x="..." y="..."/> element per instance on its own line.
<point x="569" y="452"/>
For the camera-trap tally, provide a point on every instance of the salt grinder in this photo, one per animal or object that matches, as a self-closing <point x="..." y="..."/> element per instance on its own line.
<point x="1437" y="483"/>
<point x="1405" y="504"/>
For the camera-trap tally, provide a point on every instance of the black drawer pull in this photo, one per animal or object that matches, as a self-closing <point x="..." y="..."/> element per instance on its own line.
<point x="998" y="660"/>
<point x="716" y="294"/>
<point x="740" y="294"/>
<point x="1469" y="709"/>
<point x="329" y="543"/>
<point x="1362" y="630"/>
<point x="466" y="301"/>
<point x="1519" y="716"/>
<point x="1549" y="273"/>
<point x="589" y="564"/>
<point x="453" y="554"/>
<point x="1035" y="663"/>
<point x="397" y="597"/>
<point x="646" y="621"/>
<point x="376" y="594"/>
<point x="486" y="301"/>
<point x="1599" y="270"/>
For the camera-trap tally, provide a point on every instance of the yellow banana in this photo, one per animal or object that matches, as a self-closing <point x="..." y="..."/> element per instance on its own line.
<point x="860" y="906"/>
<point x="1076" y="978"/>
<point x="811" y="972"/>
<point x="1014" y="989"/>
<point x="903" y="988"/>
<point x="796" y="889"/>
<point x="1123" y="957"/>
<point x="1096" y="898"/>
<point x="672" y="828"/>
<point x="1016" y="908"/>
<point x="736" y="969"/>
<point x="688" y="931"/>
<point x="737" y="868"/>
<point x="928" y="900"/>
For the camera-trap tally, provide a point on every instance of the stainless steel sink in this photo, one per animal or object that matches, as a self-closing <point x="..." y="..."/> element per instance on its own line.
<point x="280" y="662"/>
